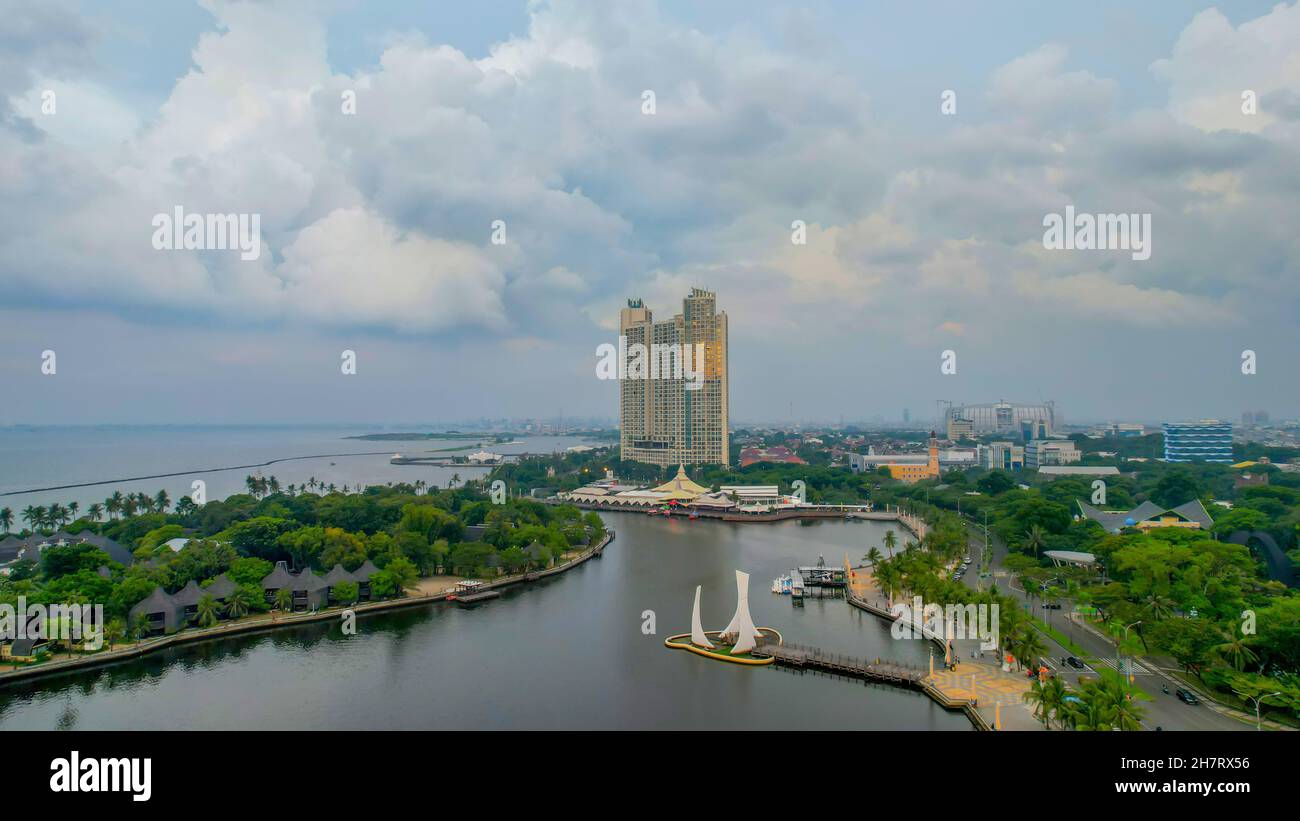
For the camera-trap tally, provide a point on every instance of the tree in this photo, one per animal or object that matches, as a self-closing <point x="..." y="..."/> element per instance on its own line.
<point x="1035" y="538"/>
<point x="403" y="574"/>
<point x="208" y="611"/>
<point x="346" y="593"/>
<point x="237" y="603"/>
<point x="283" y="599"/>
<point x="1178" y="486"/>
<point x="891" y="541"/>
<point x="6" y="518"/>
<point x="1235" y="650"/>
<point x="1037" y="696"/>
<point x="873" y="556"/>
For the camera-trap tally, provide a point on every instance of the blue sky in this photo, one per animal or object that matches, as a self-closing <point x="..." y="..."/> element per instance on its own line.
<point x="923" y="229"/>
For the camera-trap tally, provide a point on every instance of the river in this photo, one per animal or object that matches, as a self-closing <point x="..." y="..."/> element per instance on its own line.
<point x="570" y="652"/>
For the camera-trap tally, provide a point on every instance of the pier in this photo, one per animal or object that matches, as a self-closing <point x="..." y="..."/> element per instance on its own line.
<point x="804" y="657"/>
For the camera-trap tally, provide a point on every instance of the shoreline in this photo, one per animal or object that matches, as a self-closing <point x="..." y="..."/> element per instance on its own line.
<point x="190" y="636"/>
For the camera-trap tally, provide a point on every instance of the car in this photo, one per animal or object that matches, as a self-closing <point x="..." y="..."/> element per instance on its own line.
<point x="1187" y="696"/>
<point x="966" y="560"/>
<point x="1075" y="663"/>
<point x="1051" y="606"/>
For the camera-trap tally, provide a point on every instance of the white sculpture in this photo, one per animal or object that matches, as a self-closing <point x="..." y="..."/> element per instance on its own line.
<point x="697" y="631"/>
<point x="742" y="625"/>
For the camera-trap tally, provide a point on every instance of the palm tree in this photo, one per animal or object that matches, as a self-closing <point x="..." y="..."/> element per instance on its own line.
<point x="114" y="632"/>
<point x="161" y="501"/>
<point x="1035" y="538"/>
<point x="890" y="541"/>
<point x="1056" y="703"/>
<point x="209" y="612"/>
<point x="283" y="599"/>
<point x="1026" y="645"/>
<point x="237" y="604"/>
<point x="273" y="485"/>
<point x="455" y="477"/>
<point x="6" y="518"/>
<point x="114" y="504"/>
<point x="1235" y="651"/>
<point x="73" y="507"/>
<point x="873" y="556"/>
<point x="32" y="517"/>
<point x="95" y="511"/>
<point x="1037" y="696"/>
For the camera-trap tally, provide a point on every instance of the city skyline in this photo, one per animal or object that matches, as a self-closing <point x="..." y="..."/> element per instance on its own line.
<point x="854" y="225"/>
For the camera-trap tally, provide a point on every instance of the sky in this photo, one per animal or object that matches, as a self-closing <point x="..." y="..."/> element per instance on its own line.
<point x="924" y="222"/>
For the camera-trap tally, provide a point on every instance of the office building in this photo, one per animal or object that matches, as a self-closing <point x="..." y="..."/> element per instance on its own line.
<point x="1208" y="440"/>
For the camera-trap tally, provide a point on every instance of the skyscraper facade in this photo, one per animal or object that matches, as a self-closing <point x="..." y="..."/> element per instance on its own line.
<point x="1208" y="440"/>
<point x="666" y="419"/>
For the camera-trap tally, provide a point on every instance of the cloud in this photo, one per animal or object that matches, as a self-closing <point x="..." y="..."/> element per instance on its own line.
<point x="1213" y="63"/>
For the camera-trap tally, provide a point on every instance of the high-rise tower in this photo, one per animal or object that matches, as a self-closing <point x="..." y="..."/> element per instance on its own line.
<point x="671" y="419"/>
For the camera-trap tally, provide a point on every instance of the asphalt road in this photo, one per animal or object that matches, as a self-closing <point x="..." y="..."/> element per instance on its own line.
<point x="1164" y="710"/>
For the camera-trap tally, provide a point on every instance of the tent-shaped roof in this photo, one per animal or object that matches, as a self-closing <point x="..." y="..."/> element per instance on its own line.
<point x="337" y="575"/>
<point x="681" y="486"/>
<point x="189" y="594"/>
<point x="307" y="580"/>
<point x="365" y="571"/>
<point x="156" y="602"/>
<point x="278" y="578"/>
<point x="221" y="587"/>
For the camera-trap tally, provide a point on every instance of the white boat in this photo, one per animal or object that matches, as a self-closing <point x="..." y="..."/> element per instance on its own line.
<point x="781" y="585"/>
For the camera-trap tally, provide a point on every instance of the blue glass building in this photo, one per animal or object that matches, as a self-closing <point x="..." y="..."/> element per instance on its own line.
<point x="1208" y="440"/>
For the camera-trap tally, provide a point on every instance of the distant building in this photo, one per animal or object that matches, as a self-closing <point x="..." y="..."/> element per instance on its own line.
<point x="912" y="473"/>
<point x="960" y="429"/>
<point x="1148" y="515"/>
<point x="1003" y="456"/>
<point x="1076" y="470"/>
<point x="1043" y="452"/>
<point x="776" y="453"/>
<point x="662" y="420"/>
<point x="1004" y="417"/>
<point x="1208" y="440"/>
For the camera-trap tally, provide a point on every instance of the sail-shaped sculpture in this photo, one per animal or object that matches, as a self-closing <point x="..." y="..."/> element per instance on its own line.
<point x="742" y="625"/>
<point x="697" y="631"/>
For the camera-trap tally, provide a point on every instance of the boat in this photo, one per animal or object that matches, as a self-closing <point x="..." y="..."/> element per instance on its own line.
<point x="782" y="585"/>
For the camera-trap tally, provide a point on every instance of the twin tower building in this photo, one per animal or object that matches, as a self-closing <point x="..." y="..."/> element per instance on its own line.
<point x="676" y="416"/>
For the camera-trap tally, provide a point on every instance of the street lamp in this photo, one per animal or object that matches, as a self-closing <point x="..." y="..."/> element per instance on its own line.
<point x="1257" y="700"/>
<point x="1117" y="649"/>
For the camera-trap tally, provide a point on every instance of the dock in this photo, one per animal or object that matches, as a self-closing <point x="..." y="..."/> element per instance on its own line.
<point x="804" y="657"/>
<point x="466" y="599"/>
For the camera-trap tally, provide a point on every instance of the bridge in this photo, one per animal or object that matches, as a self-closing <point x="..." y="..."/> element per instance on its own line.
<point x="803" y="657"/>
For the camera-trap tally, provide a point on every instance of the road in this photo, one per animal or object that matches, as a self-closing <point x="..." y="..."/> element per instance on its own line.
<point x="1164" y="710"/>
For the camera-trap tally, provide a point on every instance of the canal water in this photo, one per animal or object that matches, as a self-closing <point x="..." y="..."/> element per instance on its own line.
<point x="570" y="652"/>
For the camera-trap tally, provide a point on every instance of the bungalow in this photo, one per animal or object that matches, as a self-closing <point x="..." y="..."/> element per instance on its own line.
<point x="187" y="599"/>
<point x="336" y="576"/>
<point x="537" y="553"/>
<point x="310" y="591"/>
<point x="221" y="587"/>
<point x="160" y="611"/>
<point x="362" y="577"/>
<point x="278" y="579"/>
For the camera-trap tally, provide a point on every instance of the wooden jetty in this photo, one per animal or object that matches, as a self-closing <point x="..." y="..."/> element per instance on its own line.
<point x="814" y="658"/>
<point x="465" y="599"/>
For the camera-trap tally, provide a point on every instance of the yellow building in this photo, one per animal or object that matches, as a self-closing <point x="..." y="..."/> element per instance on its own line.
<point x="916" y="473"/>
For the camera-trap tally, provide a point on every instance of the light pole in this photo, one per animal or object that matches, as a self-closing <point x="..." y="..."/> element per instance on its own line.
<point x="1117" y="648"/>
<point x="1257" y="700"/>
